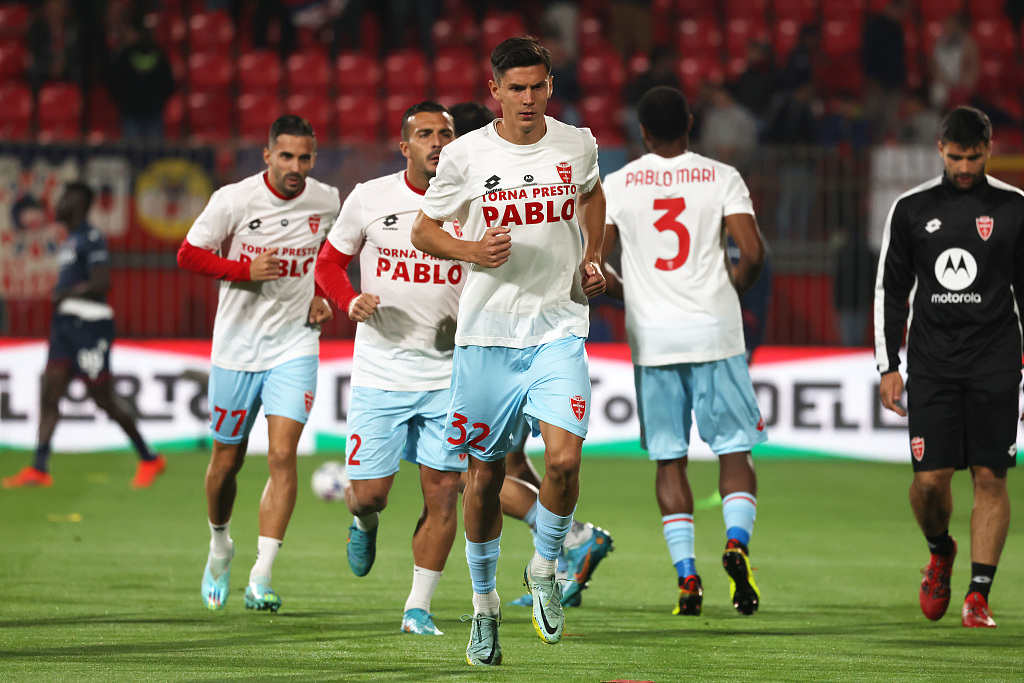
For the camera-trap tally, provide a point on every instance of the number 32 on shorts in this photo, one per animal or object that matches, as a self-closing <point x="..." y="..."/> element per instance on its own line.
<point x="460" y="423"/>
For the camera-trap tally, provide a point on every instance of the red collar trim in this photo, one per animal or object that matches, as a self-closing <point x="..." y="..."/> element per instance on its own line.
<point x="266" y="181"/>
<point x="405" y="177"/>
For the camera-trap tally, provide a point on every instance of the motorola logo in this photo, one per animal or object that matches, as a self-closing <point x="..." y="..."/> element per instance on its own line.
<point x="955" y="269"/>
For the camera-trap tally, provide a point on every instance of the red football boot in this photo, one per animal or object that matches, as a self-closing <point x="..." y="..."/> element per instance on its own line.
<point x="976" y="613"/>
<point x="935" y="585"/>
<point x="29" y="476"/>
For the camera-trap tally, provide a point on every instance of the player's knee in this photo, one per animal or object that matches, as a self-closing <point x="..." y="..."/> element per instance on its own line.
<point x="562" y="464"/>
<point x="366" y="497"/>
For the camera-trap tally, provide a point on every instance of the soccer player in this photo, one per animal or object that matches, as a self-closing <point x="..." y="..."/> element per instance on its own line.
<point x="260" y="237"/>
<point x="672" y="210"/>
<point x="81" y="335"/>
<point x="585" y="545"/>
<point x="402" y="361"/>
<point x="527" y="194"/>
<point x="954" y="246"/>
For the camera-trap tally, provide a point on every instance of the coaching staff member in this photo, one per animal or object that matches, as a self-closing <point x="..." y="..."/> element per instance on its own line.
<point x="953" y="257"/>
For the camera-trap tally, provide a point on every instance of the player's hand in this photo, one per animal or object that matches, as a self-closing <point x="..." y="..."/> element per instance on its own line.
<point x="319" y="311"/>
<point x="890" y="390"/>
<point x="265" y="266"/>
<point x="494" y="248"/>
<point x="593" y="279"/>
<point x="362" y="307"/>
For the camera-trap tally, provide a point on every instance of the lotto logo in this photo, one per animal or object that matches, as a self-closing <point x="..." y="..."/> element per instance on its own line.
<point x="917" y="447"/>
<point x="579" y="407"/>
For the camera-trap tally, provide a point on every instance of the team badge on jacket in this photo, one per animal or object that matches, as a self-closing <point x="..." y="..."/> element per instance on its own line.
<point x="579" y="407"/>
<point x="565" y="172"/>
<point x="984" y="224"/>
<point x="314" y="222"/>
<point x="917" y="447"/>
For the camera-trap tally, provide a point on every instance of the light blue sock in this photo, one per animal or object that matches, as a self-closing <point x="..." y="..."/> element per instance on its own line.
<point x="551" y="531"/>
<point x="679" y="534"/>
<point x="531" y="517"/>
<point x="739" y="510"/>
<point x="483" y="564"/>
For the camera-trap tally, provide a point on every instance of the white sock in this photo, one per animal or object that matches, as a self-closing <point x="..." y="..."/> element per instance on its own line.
<point x="578" y="534"/>
<point x="221" y="547"/>
<point x="541" y="568"/>
<point x="266" y="552"/>
<point x="424" y="583"/>
<point x="368" y="522"/>
<point x="486" y="603"/>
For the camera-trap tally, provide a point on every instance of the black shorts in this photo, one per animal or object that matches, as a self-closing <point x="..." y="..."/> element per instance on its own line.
<point x="957" y="423"/>
<point x="84" y="344"/>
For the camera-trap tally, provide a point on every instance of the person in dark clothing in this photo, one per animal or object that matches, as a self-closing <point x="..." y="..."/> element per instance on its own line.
<point x="884" y="68"/>
<point x="759" y="81"/>
<point x="954" y="247"/>
<point x="140" y="82"/>
<point x="790" y="123"/>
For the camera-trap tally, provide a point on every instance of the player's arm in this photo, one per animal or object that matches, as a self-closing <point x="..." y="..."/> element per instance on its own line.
<point x="490" y="251"/>
<point x="94" y="289"/>
<point x="893" y="282"/>
<point x="742" y="227"/>
<point x="591" y="215"/>
<point x="612" y="278"/>
<point x="205" y="262"/>
<point x="331" y="274"/>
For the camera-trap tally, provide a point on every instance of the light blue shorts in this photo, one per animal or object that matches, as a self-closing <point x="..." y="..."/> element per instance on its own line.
<point x="719" y="393"/>
<point x="235" y="396"/>
<point x="385" y="427"/>
<point x="492" y="386"/>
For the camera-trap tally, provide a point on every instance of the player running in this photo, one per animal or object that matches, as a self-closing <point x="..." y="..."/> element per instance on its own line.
<point x="672" y="210"/>
<point x="260" y="237"/>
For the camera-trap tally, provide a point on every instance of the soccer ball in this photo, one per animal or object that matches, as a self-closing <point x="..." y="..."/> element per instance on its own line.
<point x="329" y="481"/>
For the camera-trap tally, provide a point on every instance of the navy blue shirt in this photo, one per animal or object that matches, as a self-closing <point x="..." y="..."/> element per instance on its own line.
<point x="81" y="252"/>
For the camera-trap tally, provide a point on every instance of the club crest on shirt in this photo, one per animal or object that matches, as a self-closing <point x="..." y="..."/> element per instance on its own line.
<point x="565" y="171"/>
<point x="314" y="222"/>
<point x="579" y="407"/>
<point x="985" y="224"/>
<point x="760" y="425"/>
<point x="917" y="447"/>
<point x="309" y="400"/>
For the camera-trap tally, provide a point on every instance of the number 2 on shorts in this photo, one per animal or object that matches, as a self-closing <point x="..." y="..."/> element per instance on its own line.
<point x="460" y="423"/>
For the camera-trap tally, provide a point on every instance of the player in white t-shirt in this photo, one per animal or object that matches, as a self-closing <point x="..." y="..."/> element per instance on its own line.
<point x="260" y="237"/>
<point x="402" y="360"/>
<point x="672" y="210"/>
<point x="527" y="194"/>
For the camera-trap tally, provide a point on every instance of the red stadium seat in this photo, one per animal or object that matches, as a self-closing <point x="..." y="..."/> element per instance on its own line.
<point x="995" y="38"/>
<point x="602" y="71"/>
<point x="698" y="38"/>
<point x="843" y="76"/>
<point x="987" y="10"/>
<point x="210" y="32"/>
<point x="785" y="38"/>
<point x="358" y="119"/>
<point x="394" y="107"/>
<point x="315" y="108"/>
<point x="592" y="35"/>
<point x="458" y="30"/>
<point x="14" y="20"/>
<point x="740" y="32"/>
<point x="210" y="71"/>
<point x="307" y="72"/>
<point x="210" y="116"/>
<point x="937" y="10"/>
<point x="695" y="9"/>
<point x="751" y="10"/>
<point x="457" y="71"/>
<point x="850" y="10"/>
<point x="174" y="116"/>
<point x="358" y="74"/>
<point x="929" y="34"/>
<point x="992" y="77"/>
<point x="16" y="112"/>
<point x="59" y="112"/>
<point x="498" y="26"/>
<point x="840" y="37"/>
<point x="407" y="73"/>
<point x="600" y="113"/>
<point x="259" y="72"/>
<point x="800" y="11"/>
<point x="13" y="60"/>
<point x="103" y="120"/>
<point x="169" y="29"/>
<point x="694" y="72"/>
<point x="255" y="114"/>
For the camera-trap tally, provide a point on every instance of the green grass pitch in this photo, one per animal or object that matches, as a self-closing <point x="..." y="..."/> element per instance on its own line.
<point x="99" y="583"/>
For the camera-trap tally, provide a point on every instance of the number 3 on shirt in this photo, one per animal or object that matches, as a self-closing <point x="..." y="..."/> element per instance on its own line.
<point x="668" y="223"/>
<point x="460" y="423"/>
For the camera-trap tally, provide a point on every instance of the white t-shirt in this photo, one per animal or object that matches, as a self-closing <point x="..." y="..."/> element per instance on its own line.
<point x="260" y="325"/>
<point x="680" y="304"/>
<point x="485" y="181"/>
<point x="407" y="344"/>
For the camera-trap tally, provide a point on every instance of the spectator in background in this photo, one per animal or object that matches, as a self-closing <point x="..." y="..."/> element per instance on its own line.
<point x="729" y="133"/>
<point x="629" y="25"/>
<point x="266" y="13"/>
<point x="790" y="123"/>
<point x="469" y="116"/>
<point x="755" y="86"/>
<point x="805" y="60"/>
<point x="955" y="64"/>
<point x="854" y="284"/>
<point x="54" y="41"/>
<point x="566" y="93"/>
<point x="661" y="70"/>
<point x="884" y="69"/>
<point x="562" y="17"/>
<point x="919" y="124"/>
<point x="416" y="14"/>
<point x="140" y="82"/>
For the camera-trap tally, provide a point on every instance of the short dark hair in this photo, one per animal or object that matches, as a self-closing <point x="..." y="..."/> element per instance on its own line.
<point x="967" y="127"/>
<point x="516" y="52"/>
<point x="290" y="124"/>
<point x="665" y="113"/>
<point x="428" y="106"/>
<point x="469" y="116"/>
<point x="83" y="190"/>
